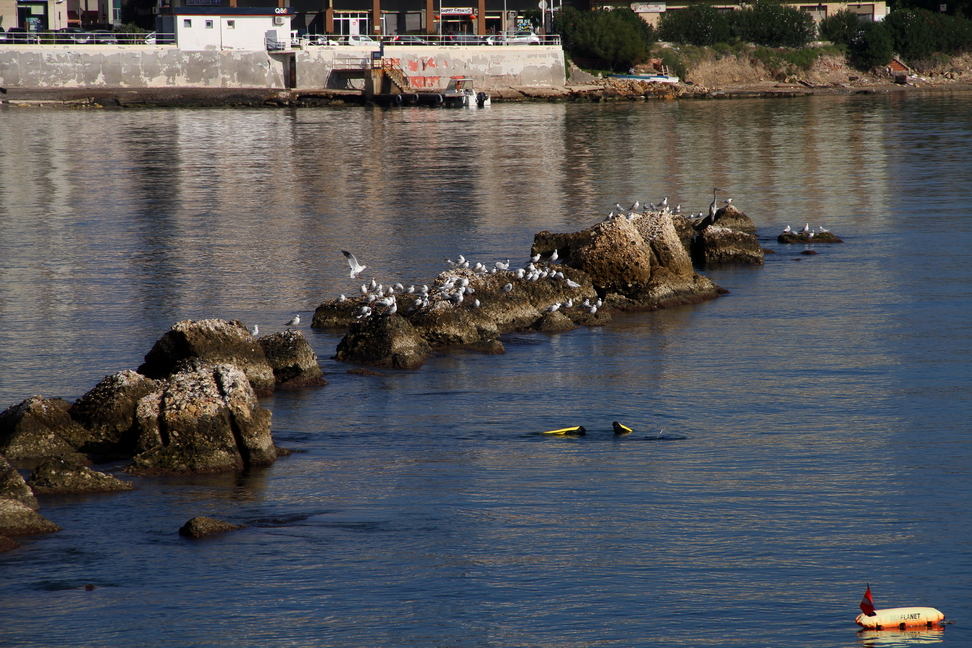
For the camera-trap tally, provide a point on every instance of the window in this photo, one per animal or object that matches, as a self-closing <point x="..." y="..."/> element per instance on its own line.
<point x="209" y="24"/>
<point x="187" y="23"/>
<point x="230" y="24"/>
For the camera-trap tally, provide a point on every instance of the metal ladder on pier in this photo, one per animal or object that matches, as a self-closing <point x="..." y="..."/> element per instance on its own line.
<point x="396" y="75"/>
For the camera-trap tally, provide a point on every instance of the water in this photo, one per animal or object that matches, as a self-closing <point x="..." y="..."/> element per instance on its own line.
<point x="826" y="399"/>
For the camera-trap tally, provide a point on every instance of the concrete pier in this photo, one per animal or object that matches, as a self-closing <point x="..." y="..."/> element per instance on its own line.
<point x="426" y="67"/>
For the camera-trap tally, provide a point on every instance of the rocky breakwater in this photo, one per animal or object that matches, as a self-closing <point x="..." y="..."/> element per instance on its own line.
<point x="191" y="408"/>
<point x="572" y="280"/>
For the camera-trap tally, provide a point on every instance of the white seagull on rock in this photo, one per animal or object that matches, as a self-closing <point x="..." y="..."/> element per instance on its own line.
<point x="295" y="321"/>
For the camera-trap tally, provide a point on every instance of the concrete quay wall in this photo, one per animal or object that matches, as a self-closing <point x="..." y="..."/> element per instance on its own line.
<point x="165" y="66"/>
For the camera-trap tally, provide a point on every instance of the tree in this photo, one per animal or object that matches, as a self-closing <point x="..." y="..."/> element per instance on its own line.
<point x="604" y="39"/>
<point x="697" y="24"/>
<point x="772" y="24"/>
<point x="841" y="27"/>
<point x="871" y="46"/>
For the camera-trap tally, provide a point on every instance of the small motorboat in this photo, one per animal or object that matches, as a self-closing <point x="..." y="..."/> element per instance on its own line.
<point x="461" y="94"/>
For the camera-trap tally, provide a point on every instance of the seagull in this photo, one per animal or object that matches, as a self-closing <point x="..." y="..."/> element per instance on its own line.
<point x="392" y="309"/>
<point x="364" y="289"/>
<point x="728" y="201"/>
<point x="363" y="312"/>
<point x="823" y="230"/>
<point x="806" y="229"/>
<point x="787" y="230"/>
<point x="553" y="256"/>
<point x="255" y="331"/>
<point x="475" y="303"/>
<point x="499" y="265"/>
<point x="295" y="321"/>
<point x="341" y="299"/>
<point x="664" y="203"/>
<point x="554" y="307"/>
<point x="635" y="205"/>
<point x="534" y="258"/>
<point x="356" y="268"/>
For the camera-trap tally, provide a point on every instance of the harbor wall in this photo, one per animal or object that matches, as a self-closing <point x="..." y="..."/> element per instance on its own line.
<point x="165" y="66"/>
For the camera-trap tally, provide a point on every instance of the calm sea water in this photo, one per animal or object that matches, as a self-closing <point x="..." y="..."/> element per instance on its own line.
<point x="826" y="400"/>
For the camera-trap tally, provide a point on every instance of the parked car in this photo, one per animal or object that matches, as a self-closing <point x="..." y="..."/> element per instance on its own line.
<point x="516" y="38"/>
<point x="104" y="37"/>
<point x="321" y="39"/>
<point x="72" y="35"/>
<point x="407" y="39"/>
<point x="21" y="35"/>
<point x="357" y="39"/>
<point x="465" y="39"/>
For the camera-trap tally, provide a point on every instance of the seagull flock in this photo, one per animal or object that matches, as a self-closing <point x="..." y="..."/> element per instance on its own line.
<point x="806" y="230"/>
<point x="452" y="289"/>
<point x="639" y="208"/>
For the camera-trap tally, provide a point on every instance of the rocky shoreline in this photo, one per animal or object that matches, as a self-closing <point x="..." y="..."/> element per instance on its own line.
<point x="192" y="406"/>
<point x="602" y="90"/>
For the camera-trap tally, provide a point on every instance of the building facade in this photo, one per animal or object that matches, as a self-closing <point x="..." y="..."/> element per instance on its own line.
<point x="651" y="12"/>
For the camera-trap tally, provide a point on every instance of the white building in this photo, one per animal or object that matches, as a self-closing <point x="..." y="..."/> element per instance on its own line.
<point x="228" y="28"/>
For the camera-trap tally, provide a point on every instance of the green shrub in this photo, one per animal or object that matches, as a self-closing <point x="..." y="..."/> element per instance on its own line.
<point x="914" y="32"/>
<point x="802" y="58"/>
<point x="841" y="27"/>
<point x="675" y="62"/>
<point x="872" y="46"/>
<point x="697" y="24"/>
<point x="773" y="24"/>
<point x="604" y="39"/>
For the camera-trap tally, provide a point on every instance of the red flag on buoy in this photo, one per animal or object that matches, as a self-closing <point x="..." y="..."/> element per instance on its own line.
<point x="867" y="603"/>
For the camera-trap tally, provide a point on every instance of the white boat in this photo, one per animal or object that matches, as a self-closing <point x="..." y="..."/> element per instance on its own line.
<point x="460" y="94"/>
<point x="650" y="78"/>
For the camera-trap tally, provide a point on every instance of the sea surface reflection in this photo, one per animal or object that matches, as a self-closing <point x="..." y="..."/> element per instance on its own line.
<point x="825" y="399"/>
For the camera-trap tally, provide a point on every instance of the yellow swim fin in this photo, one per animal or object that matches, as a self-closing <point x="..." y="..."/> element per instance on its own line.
<point x="621" y="429"/>
<point x="569" y="431"/>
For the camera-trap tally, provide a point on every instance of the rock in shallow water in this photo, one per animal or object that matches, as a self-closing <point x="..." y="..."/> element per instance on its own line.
<point x="201" y="526"/>
<point x="294" y="362"/>
<point x="108" y="413"/>
<point x="58" y="476"/>
<point x="38" y="428"/>
<point x="205" y="419"/>
<point x="214" y="341"/>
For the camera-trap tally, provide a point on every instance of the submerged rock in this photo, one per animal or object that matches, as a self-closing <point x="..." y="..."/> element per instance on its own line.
<point x="214" y="341"/>
<point x="108" y="413"/>
<point x="205" y="419"/>
<point x="293" y="361"/>
<point x="38" y="428"/>
<point x="201" y="526"/>
<point x="58" y="476"/>
<point x="6" y="544"/>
